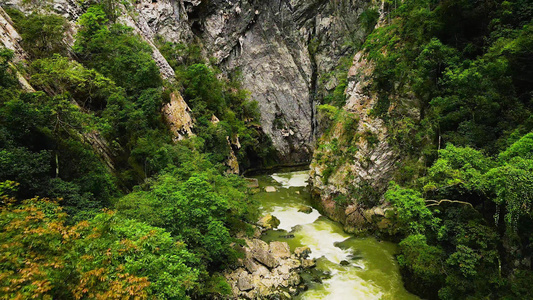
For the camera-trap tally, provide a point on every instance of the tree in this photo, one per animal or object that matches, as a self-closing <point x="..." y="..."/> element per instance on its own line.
<point x="116" y="52"/>
<point x="42" y="35"/>
<point x="103" y="258"/>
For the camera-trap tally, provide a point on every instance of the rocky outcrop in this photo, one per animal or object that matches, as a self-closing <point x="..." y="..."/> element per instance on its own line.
<point x="268" y="222"/>
<point x="357" y="218"/>
<point x="371" y="160"/>
<point x="178" y="117"/>
<point x="10" y="38"/>
<point x="352" y="169"/>
<point x="284" y="51"/>
<point x="268" y="271"/>
<point x="355" y="161"/>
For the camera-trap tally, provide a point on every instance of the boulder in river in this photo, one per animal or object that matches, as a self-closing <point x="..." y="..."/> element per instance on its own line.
<point x="305" y="209"/>
<point x="344" y="263"/>
<point x="280" y="249"/>
<point x="287" y="236"/>
<point x="268" y="222"/>
<point x="270" y="189"/>
<point x="244" y="283"/>
<point x="261" y="253"/>
<point x="308" y="263"/>
<point x="302" y="252"/>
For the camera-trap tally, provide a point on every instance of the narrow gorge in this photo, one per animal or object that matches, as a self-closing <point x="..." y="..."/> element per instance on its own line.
<point x="283" y="149"/>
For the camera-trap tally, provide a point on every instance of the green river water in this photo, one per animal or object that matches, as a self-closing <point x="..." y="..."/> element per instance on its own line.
<point x="368" y="269"/>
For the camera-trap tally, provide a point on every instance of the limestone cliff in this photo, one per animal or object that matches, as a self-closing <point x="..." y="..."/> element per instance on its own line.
<point x="284" y="50"/>
<point x="354" y="163"/>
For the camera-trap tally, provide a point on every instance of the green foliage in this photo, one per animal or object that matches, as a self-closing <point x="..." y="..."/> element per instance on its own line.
<point x="464" y="64"/>
<point x="95" y="124"/>
<point x="105" y="257"/>
<point x="113" y="50"/>
<point x="328" y="111"/>
<point x="473" y="258"/>
<point x="42" y="35"/>
<point x="369" y="18"/>
<point x="6" y="77"/>
<point x="423" y="262"/>
<point x="194" y="211"/>
<point x="507" y="181"/>
<point x="468" y="83"/>
<point x="203" y="90"/>
<point x="42" y="146"/>
<point x="238" y="117"/>
<point x="413" y="215"/>
<point x="87" y="87"/>
<point x="179" y="55"/>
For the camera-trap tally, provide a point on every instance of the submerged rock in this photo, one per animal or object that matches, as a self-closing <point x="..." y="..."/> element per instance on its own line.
<point x="261" y="253"/>
<point x="287" y="236"/>
<point x="252" y="183"/>
<point x="280" y="249"/>
<point x="344" y="263"/>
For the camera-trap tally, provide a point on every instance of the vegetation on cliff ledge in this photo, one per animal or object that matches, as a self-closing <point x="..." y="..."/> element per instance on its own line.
<point x="465" y="183"/>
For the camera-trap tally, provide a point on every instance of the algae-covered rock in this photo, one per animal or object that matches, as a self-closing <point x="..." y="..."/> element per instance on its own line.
<point x="252" y="183"/>
<point x="280" y="249"/>
<point x="268" y="222"/>
<point x="302" y="252"/>
<point x="306" y="209"/>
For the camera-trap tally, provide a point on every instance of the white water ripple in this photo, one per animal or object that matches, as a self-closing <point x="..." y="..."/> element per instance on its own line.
<point x="293" y="179"/>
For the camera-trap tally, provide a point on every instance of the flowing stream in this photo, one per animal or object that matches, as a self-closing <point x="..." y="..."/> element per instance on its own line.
<point x="358" y="268"/>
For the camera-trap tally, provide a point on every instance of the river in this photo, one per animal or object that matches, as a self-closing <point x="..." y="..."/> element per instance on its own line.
<point x="358" y="268"/>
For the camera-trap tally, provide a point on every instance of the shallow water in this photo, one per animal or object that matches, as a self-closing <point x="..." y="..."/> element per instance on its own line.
<point x="368" y="269"/>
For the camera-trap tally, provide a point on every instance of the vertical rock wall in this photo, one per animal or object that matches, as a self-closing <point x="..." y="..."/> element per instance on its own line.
<point x="283" y="49"/>
<point x="355" y="162"/>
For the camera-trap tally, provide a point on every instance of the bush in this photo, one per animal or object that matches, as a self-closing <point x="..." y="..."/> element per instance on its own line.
<point x="42" y="35"/>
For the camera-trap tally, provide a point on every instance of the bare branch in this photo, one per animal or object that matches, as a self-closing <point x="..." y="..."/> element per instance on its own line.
<point x="439" y="202"/>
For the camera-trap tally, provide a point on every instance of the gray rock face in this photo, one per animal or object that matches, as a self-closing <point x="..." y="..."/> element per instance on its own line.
<point x="367" y="160"/>
<point x="373" y="163"/>
<point x="284" y="53"/>
<point x="284" y="49"/>
<point x="280" y="250"/>
<point x="260" y="252"/>
<point x="245" y="282"/>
